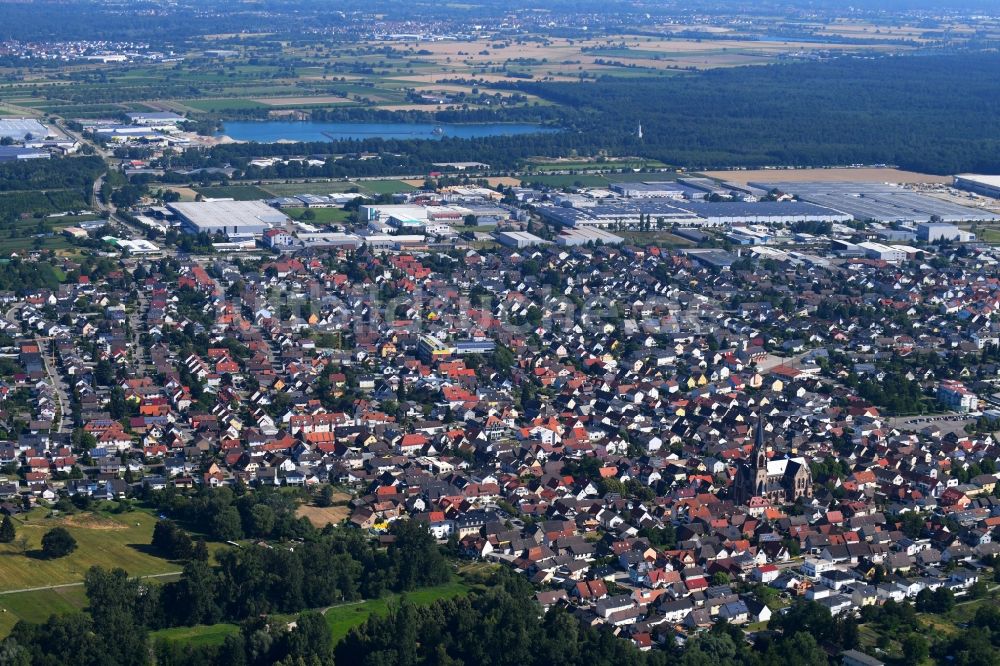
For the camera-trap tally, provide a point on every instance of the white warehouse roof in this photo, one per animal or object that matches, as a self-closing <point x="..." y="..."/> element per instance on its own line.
<point x="232" y="217"/>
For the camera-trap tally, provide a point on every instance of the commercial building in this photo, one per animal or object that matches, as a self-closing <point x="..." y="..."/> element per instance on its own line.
<point x="22" y="129"/>
<point x="402" y="217"/>
<point x="650" y="189"/>
<point x="884" y="252"/>
<point x="519" y="239"/>
<point x="986" y="185"/>
<point x="139" y="246"/>
<point x="335" y="200"/>
<point x="326" y="239"/>
<point x="155" y="118"/>
<point x="235" y="219"/>
<point x="393" y="243"/>
<point x="931" y="232"/>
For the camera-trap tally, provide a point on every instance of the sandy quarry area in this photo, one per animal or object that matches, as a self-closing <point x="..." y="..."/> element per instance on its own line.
<point x="831" y="175"/>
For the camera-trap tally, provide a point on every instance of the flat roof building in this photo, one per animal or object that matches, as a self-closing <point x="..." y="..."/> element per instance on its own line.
<point x="986" y="185"/>
<point x="662" y="213"/>
<point x="932" y="232"/>
<point x="576" y="237"/>
<point x="232" y="218"/>
<point x="155" y="118"/>
<point x="879" y="202"/>
<point x="718" y="259"/>
<point x="329" y="239"/>
<point x="431" y="349"/>
<point x="519" y="239"/>
<point x="17" y="153"/>
<point x="22" y="129"/>
<point x="884" y="252"/>
<point x="665" y="189"/>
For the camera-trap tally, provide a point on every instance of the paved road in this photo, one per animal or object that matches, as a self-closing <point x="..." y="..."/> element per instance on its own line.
<point x="78" y="584"/>
<point x="62" y="394"/>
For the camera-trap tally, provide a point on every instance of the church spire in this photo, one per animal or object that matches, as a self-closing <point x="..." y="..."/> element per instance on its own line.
<point x="759" y="447"/>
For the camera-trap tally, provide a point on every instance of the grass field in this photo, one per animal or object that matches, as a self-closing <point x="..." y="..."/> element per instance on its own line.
<point x="322" y="215"/>
<point x="198" y="635"/>
<point x="661" y="238"/>
<point x="105" y="540"/>
<point x="989" y="235"/>
<point x="341" y="619"/>
<point x="237" y="192"/>
<point x="317" y="187"/>
<point x="38" y="606"/>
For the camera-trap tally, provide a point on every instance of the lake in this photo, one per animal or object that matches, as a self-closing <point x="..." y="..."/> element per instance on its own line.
<point x="271" y="131"/>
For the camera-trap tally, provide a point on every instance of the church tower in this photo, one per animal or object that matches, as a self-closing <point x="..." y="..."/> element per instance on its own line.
<point x="759" y="464"/>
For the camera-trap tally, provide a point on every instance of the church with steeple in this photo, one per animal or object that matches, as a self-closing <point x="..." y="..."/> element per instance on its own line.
<point x="780" y="481"/>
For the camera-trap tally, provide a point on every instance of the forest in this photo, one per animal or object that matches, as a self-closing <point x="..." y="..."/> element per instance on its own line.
<point x="934" y="114"/>
<point x="74" y="173"/>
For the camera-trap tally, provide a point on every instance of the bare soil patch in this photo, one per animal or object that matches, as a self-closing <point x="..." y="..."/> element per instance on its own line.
<point x="320" y="516"/>
<point x="830" y="175"/>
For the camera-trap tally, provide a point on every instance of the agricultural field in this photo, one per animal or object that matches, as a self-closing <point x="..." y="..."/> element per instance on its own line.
<point x="308" y="75"/>
<point x="386" y="186"/>
<point x="222" y="105"/>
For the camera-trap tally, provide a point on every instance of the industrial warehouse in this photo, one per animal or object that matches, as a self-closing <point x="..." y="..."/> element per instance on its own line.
<point x="21" y="130"/>
<point x="234" y="219"/>
<point x="660" y="213"/>
<point x="879" y="202"/>
<point x="988" y="186"/>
